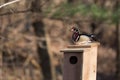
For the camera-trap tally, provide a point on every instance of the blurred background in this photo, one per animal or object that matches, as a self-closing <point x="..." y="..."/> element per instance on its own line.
<point x="32" y="32"/>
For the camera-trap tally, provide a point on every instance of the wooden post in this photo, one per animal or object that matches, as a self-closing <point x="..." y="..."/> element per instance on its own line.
<point x="80" y="62"/>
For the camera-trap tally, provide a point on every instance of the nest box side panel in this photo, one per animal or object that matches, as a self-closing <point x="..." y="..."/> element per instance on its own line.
<point x="86" y="64"/>
<point x="90" y="63"/>
<point x="93" y="63"/>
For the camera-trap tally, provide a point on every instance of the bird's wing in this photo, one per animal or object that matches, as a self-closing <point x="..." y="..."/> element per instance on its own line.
<point x="75" y="37"/>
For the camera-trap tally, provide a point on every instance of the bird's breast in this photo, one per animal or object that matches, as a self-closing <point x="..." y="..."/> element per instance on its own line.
<point x="84" y="38"/>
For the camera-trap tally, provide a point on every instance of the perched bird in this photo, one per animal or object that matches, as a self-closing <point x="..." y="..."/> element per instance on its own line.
<point x="80" y="38"/>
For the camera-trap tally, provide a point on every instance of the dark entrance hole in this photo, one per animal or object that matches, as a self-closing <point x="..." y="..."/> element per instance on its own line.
<point x="73" y="60"/>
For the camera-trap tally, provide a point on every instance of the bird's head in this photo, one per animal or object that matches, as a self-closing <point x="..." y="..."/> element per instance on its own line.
<point x="75" y="29"/>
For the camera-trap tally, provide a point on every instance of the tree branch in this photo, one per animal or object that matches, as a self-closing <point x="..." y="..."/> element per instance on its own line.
<point x="15" y="12"/>
<point x="8" y="3"/>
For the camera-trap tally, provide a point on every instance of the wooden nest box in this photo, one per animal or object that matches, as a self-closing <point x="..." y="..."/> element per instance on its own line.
<point x="80" y="62"/>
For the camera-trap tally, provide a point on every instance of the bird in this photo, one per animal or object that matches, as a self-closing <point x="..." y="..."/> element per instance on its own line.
<point x="82" y="38"/>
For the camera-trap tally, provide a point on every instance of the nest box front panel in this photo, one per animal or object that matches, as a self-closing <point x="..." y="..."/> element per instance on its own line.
<point x="72" y="68"/>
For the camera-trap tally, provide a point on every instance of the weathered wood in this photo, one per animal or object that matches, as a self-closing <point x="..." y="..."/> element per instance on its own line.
<point x="72" y="50"/>
<point x="85" y="68"/>
<point x="90" y="64"/>
<point x="89" y="45"/>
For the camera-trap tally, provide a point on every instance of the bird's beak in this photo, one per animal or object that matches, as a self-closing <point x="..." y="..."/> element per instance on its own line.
<point x="72" y="29"/>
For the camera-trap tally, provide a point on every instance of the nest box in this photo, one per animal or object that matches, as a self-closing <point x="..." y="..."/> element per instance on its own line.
<point x="80" y="62"/>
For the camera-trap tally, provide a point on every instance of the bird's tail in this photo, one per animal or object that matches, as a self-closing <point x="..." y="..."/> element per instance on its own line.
<point x="94" y="37"/>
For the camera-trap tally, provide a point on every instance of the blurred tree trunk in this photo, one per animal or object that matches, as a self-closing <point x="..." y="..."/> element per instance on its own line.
<point x="73" y="1"/>
<point x="118" y="52"/>
<point x="44" y="57"/>
<point x="42" y="48"/>
<point x="118" y="45"/>
<point x="1" y="72"/>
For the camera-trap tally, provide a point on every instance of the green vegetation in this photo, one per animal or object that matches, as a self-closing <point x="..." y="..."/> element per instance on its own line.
<point x="93" y="10"/>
